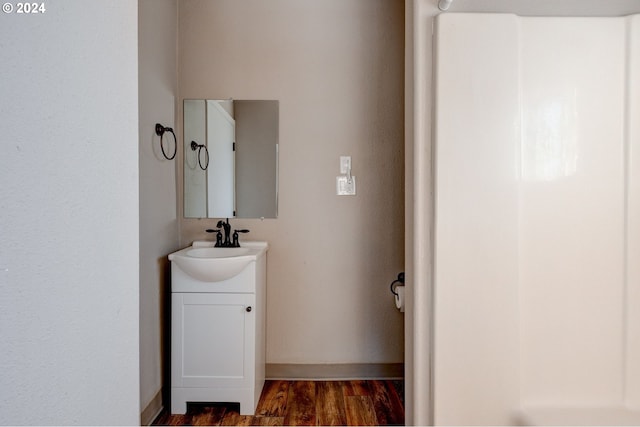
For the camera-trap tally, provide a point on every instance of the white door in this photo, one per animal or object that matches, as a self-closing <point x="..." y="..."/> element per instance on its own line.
<point x="221" y="134"/>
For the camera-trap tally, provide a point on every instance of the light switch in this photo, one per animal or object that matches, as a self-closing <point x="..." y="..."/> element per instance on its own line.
<point x="345" y="186"/>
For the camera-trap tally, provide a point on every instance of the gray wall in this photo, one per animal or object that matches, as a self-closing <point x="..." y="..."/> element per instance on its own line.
<point x="158" y="219"/>
<point x="336" y="66"/>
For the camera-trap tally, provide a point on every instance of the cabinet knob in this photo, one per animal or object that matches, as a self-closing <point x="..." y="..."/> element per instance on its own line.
<point x="249" y="309"/>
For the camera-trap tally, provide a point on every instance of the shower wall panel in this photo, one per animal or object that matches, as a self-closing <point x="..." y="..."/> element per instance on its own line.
<point x="572" y="210"/>
<point x="476" y="231"/>
<point x="632" y="295"/>
<point x="537" y="215"/>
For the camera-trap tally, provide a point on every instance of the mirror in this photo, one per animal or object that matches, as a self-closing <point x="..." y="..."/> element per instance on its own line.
<point x="230" y="158"/>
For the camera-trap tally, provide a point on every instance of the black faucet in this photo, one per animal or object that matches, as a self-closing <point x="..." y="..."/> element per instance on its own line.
<point x="225" y="242"/>
<point x="227" y="232"/>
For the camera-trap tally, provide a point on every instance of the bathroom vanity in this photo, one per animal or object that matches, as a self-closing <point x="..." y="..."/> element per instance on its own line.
<point x="218" y="325"/>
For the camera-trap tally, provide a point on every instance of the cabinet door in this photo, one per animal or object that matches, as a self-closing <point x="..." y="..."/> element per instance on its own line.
<point x="213" y="340"/>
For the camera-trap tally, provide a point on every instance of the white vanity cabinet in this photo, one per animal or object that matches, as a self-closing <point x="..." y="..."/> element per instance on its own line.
<point x="218" y="337"/>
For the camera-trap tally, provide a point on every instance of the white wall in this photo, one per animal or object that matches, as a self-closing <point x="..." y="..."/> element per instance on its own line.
<point x="69" y="215"/>
<point x="419" y="21"/>
<point x="336" y="67"/>
<point x="158" y="211"/>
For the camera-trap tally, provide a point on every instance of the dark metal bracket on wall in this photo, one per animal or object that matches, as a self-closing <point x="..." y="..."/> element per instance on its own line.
<point x="160" y="130"/>
<point x="397" y="282"/>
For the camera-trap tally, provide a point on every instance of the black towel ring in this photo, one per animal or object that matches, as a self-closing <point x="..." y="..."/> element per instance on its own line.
<point x="195" y="146"/>
<point x="160" y="130"/>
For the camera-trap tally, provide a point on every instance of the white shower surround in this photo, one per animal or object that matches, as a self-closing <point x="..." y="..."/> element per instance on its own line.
<point x="537" y="220"/>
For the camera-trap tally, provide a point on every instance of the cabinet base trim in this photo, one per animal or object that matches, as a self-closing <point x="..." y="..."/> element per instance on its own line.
<point x="247" y="397"/>
<point x="343" y="371"/>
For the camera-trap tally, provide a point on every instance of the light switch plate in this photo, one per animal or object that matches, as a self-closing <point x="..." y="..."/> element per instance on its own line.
<point x="345" y="164"/>
<point x="344" y="187"/>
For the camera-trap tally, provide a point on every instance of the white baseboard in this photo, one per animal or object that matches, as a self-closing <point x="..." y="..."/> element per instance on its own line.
<point x="152" y="410"/>
<point x="346" y="371"/>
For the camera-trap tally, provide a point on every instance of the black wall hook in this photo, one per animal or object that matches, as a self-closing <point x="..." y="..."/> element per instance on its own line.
<point x="195" y="146"/>
<point x="399" y="281"/>
<point x="160" y="130"/>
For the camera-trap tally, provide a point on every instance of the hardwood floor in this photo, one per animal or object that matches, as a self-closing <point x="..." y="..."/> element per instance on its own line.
<point x="305" y="403"/>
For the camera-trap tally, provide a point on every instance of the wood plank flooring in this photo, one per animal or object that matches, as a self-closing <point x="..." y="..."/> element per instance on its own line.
<point x="305" y="403"/>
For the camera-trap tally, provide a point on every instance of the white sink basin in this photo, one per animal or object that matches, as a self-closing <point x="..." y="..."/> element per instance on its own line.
<point x="206" y="263"/>
<point x="216" y="252"/>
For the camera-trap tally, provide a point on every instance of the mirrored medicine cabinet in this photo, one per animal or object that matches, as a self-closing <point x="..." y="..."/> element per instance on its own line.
<point x="230" y="158"/>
